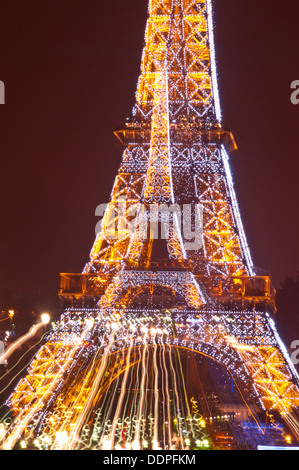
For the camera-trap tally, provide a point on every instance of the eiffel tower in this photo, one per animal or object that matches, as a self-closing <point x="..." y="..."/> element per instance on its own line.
<point x="169" y="297"/>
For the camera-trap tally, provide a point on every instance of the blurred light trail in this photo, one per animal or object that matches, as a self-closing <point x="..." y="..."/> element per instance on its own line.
<point x="16" y="344"/>
<point x="27" y="414"/>
<point x="75" y="437"/>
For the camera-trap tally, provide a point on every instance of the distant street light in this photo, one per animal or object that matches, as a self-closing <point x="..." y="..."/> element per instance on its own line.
<point x="11" y="313"/>
<point x="45" y="317"/>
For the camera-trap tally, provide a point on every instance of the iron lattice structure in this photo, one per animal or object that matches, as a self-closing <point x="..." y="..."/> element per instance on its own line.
<point x="141" y="300"/>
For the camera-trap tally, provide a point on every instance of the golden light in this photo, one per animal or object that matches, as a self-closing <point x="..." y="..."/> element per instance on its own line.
<point x="115" y="326"/>
<point x="73" y="377"/>
<point x="89" y="322"/>
<point x="61" y="437"/>
<point x="45" y="318"/>
<point x="2" y="431"/>
<point x="23" y="444"/>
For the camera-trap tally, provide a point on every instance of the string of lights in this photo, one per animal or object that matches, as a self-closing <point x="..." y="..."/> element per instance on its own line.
<point x="112" y="372"/>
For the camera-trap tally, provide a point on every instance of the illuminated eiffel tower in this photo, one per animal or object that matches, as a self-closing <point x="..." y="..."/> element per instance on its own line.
<point x="169" y="282"/>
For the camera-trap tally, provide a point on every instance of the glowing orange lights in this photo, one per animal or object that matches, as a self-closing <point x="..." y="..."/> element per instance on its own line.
<point x="109" y="374"/>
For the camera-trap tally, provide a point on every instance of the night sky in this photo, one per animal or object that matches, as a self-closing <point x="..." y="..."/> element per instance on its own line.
<point x="70" y="69"/>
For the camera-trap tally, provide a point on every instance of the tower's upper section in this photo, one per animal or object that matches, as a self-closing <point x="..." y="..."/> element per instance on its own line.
<point x="179" y="41"/>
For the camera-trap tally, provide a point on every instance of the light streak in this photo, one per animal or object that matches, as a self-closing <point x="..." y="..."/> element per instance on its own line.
<point x="16" y="364"/>
<point x="26" y="415"/>
<point x="122" y="393"/>
<point x="3" y="319"/>
<point x="19" y="428"/>
<point x="177" y="398"/>
<point x="73" y="440"/>
<point x="71" y="411"/>
<point x="156" y="398"/>
<point x="19" y="342"/>
<point x="142" y="385"/>
<point x="167" y="393"/>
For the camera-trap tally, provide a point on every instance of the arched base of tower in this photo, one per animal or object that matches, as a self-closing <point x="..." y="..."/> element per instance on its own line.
<point x="139" y="382"/>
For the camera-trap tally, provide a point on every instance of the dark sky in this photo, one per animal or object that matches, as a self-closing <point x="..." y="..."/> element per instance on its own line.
<point x="70" y="69"/>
